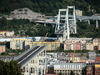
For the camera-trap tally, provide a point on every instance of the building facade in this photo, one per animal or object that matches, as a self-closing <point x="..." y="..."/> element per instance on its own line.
<point x="7" y="33"/>
<point x="89" y="46"/>
<point x="20" y="43"/>
<point x="90" y="70"/>
<point x="2" y="48"/>
<point x="50" y="45"/>
<point x="97" y="60"/>
<point x="66" y="68"/>
<point x="91" y="55"/>
<point x="97" y="69"/>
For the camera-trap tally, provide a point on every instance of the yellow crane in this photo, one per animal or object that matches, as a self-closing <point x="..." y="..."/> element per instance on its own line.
<point x="44" y="38"/>
<point x="73" y="57"/>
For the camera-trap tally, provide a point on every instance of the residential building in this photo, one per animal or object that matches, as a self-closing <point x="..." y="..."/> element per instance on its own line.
<point x="91" y="55"/>
<point x="4" y="33"/>
<point x="7" y="33"/>
<point x="66" y="68"/>
<point x="73" y="44"/>
<point x="2" y="48"/>
<point x="95" y="43"/>
<point x="98" y="46"/>
<point x="97" y="60"/>
<point x="51" y="45"/>
<point x="76" y="57"/>
<point x="68" y="45"/>
<point x="78" y="46"/>
<point x="83" y="46"/>
<point x="10" y="33"/>
<point x="90" y="70"/>
<point x="20" y="43"/>
<point x="97" y="69"/>
<point x="89" y="46"/>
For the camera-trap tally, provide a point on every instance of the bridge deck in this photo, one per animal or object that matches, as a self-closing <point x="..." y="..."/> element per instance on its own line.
<point x="25" y="58"/>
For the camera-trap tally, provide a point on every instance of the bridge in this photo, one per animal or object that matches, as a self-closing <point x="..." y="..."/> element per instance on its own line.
<point x="33" y="60"/>
<point x="64" y="30"/>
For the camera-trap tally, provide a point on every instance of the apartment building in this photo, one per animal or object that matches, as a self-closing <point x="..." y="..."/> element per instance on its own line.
<point x="66" y="68"/>
<point x="97" y="60"/>
<point x="77" y="44"/>
<point x="97" y="69"/>
<point x="20" y="43"/>
<point x="2" y="48"/>
<point x="76" y="57"/>
<point x="90" y="70"/>
<point x="50" y="45"/>
<point x="91" y="55"/>
<point x="89" y="46"/>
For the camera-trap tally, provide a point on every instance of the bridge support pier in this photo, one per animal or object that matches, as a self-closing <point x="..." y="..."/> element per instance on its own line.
<point x="89" y="22"/>
<point x="96" y="23"/>
<point x="44" y="24"/>
<point x="53" y="26"/>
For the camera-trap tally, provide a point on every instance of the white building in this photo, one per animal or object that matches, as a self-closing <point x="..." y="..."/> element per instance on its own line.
<point x="66" y="68"/>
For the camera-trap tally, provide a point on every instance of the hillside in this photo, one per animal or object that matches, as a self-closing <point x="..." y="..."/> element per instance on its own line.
<point x="50" y="7"/>
<point x="25" y="27"/>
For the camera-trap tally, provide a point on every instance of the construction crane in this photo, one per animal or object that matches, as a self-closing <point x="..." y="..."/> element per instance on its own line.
<point x="72" y="61"/>
<point x="44" y="38"/>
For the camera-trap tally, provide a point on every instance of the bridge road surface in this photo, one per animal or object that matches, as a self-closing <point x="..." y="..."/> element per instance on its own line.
<point x="29" y="55"/>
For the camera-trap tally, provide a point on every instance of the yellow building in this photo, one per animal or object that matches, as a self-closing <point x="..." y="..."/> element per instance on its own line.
<point x="20" y="43"/>
<point x="50" y="45"/>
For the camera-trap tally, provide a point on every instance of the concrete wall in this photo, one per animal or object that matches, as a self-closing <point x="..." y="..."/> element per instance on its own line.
<point x="79" y="12"/>
<point x="25" y="13"/>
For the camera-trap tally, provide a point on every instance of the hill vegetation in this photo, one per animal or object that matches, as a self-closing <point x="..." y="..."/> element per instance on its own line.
<point x="49" y="7"/>
<point x="25" y="27"/>
<point x="9" y="68"/>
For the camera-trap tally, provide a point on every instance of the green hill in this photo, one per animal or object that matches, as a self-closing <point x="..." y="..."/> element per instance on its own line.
<point x="49" y="7"/>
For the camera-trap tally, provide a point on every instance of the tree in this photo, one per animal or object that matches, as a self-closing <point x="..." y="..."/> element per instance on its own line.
<point x="60" y="73"/>
<point x="9" y="68"/>
<point x="71" y="73"/>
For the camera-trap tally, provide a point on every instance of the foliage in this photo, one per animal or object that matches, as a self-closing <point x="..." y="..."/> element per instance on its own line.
<point x="49" y="7"/>
<point x="59" y="48"/>
<point x="86" y="30"/>
<point x="60" y="73"/>
<point x="3" y="43"/>
<point x="9" y="68"/>
<point x="4" y="53"/>
<point x="85" y="70"/>
<point x="71" y="73"/>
